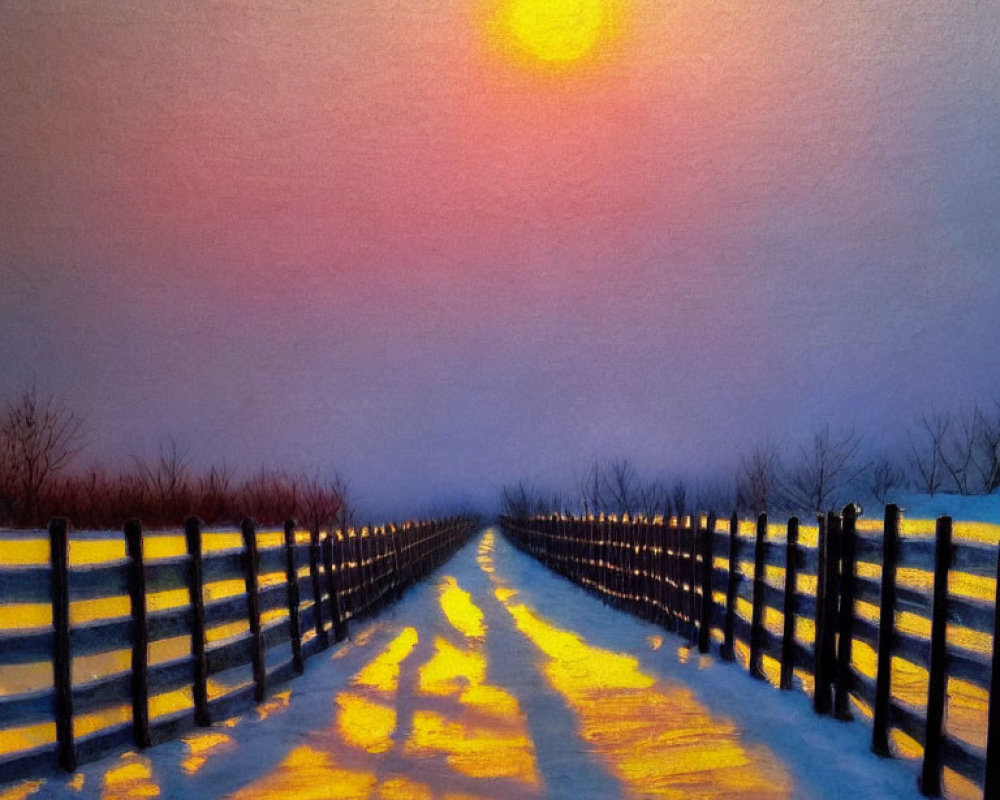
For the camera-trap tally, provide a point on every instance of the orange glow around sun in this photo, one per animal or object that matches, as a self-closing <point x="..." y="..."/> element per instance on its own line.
<point x="553" y="31"/>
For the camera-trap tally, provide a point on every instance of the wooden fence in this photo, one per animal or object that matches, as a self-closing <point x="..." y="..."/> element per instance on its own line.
<point x="689" y="575"/>
<point x="296" y="614"/>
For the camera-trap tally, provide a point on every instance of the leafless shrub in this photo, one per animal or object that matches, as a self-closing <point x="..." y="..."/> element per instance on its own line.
<point x="589" y="488"/>
<point x="958" y="449"/>
<point x="214" y="495"/>
<point x="319" y="505"/>
<point x="522" y="501"/>
<point x="926" y="443"/>
<point x="884" y="478"/>
<point x="620" y="484"/>
<point x="818" y="479"/>
<point x="652" y="499"/>
<point x="757" y="480"/>
<point x="270" y="496"/>
<point x="988" y="453"/>
<point x="166" y="482"/>
<point x="40" y="437"/>
<point x="678" y="498"/>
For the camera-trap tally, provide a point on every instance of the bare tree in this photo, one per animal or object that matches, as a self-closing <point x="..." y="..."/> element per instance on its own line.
<point x="346" y="512"/>
<point x="620" y="481"/>
<point x="926" y="444"/>
<point x="988" y="460"/>
<point x="8" y="480"/>
<point x="319" y="505"/>
<point x="884" y="478"/>
<point x="958" y="449"/>
<point x="167" y="481"/>
<point x="521" y="501"/>
<point x="589" y="487"/>
<point x="40" y="437"/>
<point x="821" y="474"/>
<point x="652" y="499"/>
<point x="214" y="491"/>
<point x="757" y="479"/>
<point x="271" y="496"/>
<point x="678" y="497"/>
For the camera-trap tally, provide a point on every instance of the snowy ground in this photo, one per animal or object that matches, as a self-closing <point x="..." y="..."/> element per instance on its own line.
<point x="497" y="679"/>
<point x="972" y="508"/>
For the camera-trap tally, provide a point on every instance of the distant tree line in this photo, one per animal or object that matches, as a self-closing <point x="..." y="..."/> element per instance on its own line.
<point x="957" y="452"/>
<point x="40" y="440"/>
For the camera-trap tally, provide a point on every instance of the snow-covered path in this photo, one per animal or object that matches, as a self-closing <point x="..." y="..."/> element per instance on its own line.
<point x="497" y="679"/>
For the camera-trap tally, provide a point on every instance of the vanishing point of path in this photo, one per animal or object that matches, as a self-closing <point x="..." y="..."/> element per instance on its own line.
<point x="497" y="679"/>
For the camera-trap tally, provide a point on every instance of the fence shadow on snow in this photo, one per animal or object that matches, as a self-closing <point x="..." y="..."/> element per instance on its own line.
<point x="848" y="614"/>
<point x="161" y="645"/>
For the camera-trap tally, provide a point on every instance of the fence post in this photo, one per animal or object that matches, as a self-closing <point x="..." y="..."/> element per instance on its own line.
<point x="397" y="577"/>
<point x="140" y="634"/>
<point x="292" y="582"/>
<point x="707" y="573"/>
<point x="819" y="704"/>
<point x="791" y="605"/>
<point x="61" y="661"/>
<point x="666" y="618"/>
<point x="826" y="610"/>
<point x="332" y="590"/>
<point x="991" y="787"/>
<point x="930" y="773"/>
<point x="757" y="615"/>
<point x="314" y="560"/>
<point x="250" y="567"/>
<point x="845" y="640"/>
<point x="678" y="563"/>
<point x="728" y="651"/>
<point x="606" y="576"/>
<point x="669" y="587"/>
<point x="195" y="584"/>
<point x="694" y="577"/>
<point x="886" y="632"/>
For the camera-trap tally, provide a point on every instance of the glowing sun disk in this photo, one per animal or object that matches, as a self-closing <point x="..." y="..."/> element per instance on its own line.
<point x="556" y="30"/>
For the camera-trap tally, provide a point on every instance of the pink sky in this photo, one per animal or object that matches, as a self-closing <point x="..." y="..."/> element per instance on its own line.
<point x="357" y="236"/>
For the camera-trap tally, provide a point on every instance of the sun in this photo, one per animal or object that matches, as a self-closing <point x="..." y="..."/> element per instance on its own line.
<point x="556" y="31"/>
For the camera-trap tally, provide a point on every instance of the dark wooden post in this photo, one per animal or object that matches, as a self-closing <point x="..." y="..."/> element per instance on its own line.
<point x="707" y="573"/>
<point x="791" y="603"/>
<point x="314" y="562"/>
<point x="757" y="614"/>
<point x="728" y="651"/>
<point x="826" y="654"/>
<point x="821" y="701"/>
<point x="195" y="584"/>
<point x="292" y="582"/>
<point x="332" y="593"/>
<point x="140" y="634"/>
<point x="250" y="567"/>
<point x="606" y="575"/>
<point x="991" y="787"/>
<point x="666" y="618"/>
<point x="670" y="587"/>
<point x="678" y="564"/>
<point x="886" y="632"/>
<point x="397" y="577"/>
<point x="694" y="579"/>
<point x="61" y="661"/>
<point x="845" y="639"/>
<point x="930" y="773"/>
<point x="348" y="573"/>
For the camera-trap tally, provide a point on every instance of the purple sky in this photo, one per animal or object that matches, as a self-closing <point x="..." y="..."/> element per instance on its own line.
<point x="362" y="237"/>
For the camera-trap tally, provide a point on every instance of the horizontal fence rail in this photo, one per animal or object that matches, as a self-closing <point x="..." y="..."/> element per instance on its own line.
<point x="205" y="616"/>
<point x="754" y="590"/>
